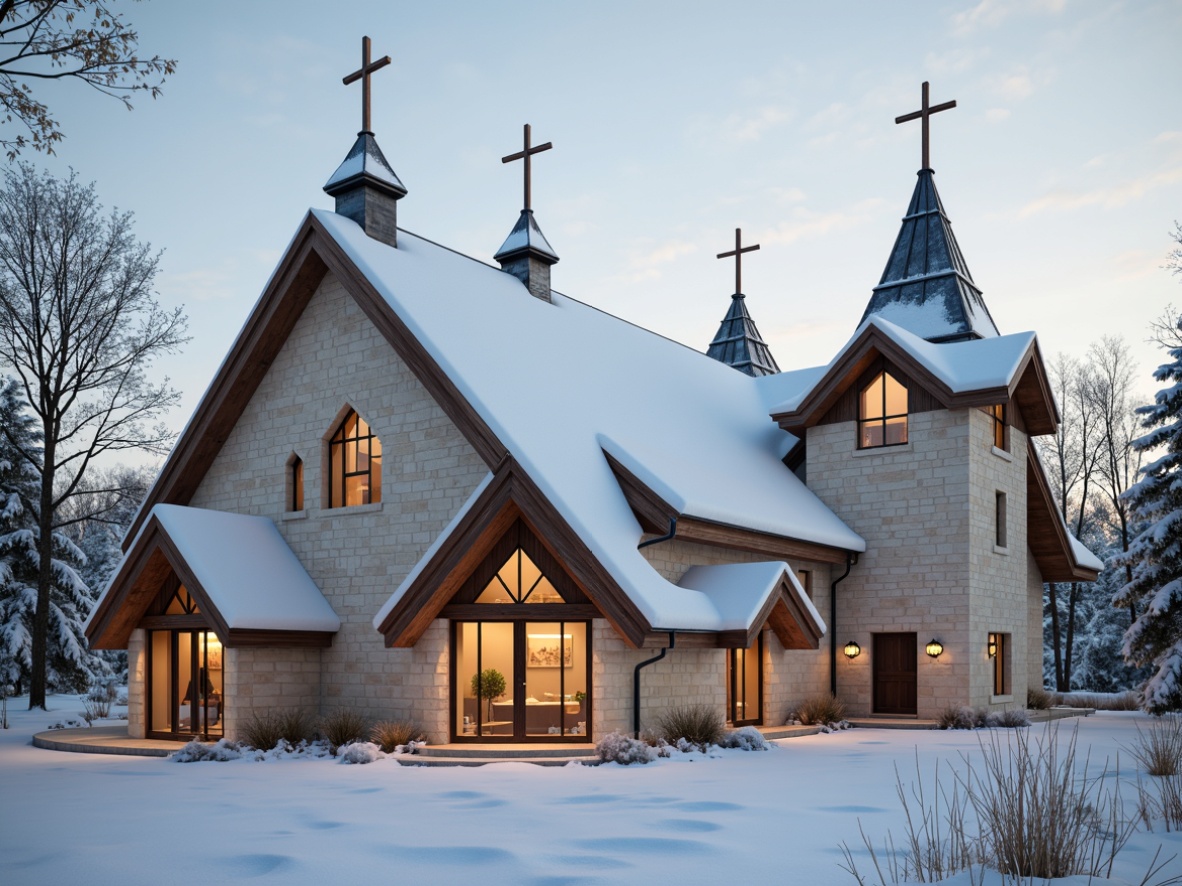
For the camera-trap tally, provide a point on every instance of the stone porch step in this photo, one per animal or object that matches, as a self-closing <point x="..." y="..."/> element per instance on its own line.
<point x="103" y="740"/>
<point x="478" y="755"/>
<point x="773" y="732"/>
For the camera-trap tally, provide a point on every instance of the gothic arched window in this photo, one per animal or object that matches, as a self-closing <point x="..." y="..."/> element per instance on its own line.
<point x="354" y="464"/>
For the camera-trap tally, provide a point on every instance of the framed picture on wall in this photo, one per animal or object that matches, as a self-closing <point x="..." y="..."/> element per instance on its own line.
<point x="549" y="650"/>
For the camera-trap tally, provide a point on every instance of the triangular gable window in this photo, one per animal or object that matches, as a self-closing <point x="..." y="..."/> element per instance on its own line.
<point x="519" y="580"/>
<point x="182" y="603"/>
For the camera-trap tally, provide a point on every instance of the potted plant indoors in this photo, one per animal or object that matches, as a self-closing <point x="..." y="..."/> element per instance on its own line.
<point x="489" y="684"/>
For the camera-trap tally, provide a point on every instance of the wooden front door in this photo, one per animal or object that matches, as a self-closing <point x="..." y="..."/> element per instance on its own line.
<point x="894" y="674"/>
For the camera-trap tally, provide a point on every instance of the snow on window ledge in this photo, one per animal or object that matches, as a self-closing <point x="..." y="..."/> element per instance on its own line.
<point x="1002" y="454"/>
<point x="350" y="509"/>
<point x="881" y="450"/>
<point x="295" y="515"/>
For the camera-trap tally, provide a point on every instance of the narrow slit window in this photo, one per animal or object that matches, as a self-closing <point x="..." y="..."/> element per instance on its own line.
<point x="1000" y="540"/>
<point x="296" y="500"/>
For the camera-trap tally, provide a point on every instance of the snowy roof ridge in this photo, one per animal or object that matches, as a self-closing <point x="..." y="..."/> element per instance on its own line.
<point x="740" y="590"/>
<point x="526" y="237"/>
<point x="963" y="366"/>
<point x="926" y="285"/>
<point x="365" y="160"/>
<point x="738" y="343"/>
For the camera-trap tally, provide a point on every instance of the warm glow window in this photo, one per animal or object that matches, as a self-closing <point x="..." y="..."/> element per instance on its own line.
<point x="744" y="685"/>
<point x="882" y="413"/>
<point x="999" y="651"/>
<point x="355" y="464"/>
<point x="296" y="498"/>
<point x="997" y="415"/>
<point x="519" y="581"/>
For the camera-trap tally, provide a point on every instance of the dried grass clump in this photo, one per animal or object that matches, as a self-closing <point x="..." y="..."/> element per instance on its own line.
<point x="264" y="731"/>
<point x="344" y="726"/>
<point x="1035" y="816"/>
<point x="1124" y="701"/>
<point x="819" y="710"/>
<point x="698" y="724"/>
<point x="1038" y="699"/>
<point x="392" y="734"/>
<point x="1159" y="749"/>
<point x="956" y="717"/>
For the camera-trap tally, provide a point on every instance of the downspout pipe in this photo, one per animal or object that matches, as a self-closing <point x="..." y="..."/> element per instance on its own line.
<point x="668" y="536"/>
<point x="849" y="562"/>
<point x="636" y="685"/>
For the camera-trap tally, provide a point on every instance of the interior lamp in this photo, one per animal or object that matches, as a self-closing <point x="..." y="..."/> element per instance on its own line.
<point x="934" y="648"/>
<point x="852" y="650"/>
<point x="992" y="645"/>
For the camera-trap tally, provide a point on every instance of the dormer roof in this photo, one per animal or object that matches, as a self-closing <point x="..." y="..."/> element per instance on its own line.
<point x="926" y="287"/>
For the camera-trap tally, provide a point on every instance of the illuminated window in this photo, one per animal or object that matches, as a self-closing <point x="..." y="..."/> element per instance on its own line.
<point x="354" y="464"/>
<point x="997" y="413"/>
<point x="999" y="646"/>
<point x="882" y="413"/>
<point x="519" y="581"/>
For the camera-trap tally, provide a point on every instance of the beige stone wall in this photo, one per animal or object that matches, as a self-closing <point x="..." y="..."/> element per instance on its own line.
<point x="357" y="556"/>
<point x="261" y="681"/>
<point x="137" y="664"/>
<point x="998" y="587"/>
<point x="1034" y="641"/>
<point x="911" y="504"/>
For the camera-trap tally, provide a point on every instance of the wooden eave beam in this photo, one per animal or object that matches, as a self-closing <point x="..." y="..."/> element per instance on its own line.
<point x="652" y="512"/>
<point x="1045" y="533"/>
<point x="740" y="539"/>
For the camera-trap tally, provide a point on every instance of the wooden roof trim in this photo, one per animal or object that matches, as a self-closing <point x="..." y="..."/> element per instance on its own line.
<point x="287" y="294"/>
<point x="741" y="539"/>
<point x="790" y="620"/>
<point x="510" y="496"/>
<point x="1035" y="396"/>
<point x="652" y="512"/>
<point x="312" y="254"/>
<point x="1046" y="535"/>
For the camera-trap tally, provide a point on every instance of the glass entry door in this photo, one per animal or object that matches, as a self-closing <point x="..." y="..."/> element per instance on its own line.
<point x="186" y="684"/>
<point x="521" y="680"/>
<point x="744" y="685"/>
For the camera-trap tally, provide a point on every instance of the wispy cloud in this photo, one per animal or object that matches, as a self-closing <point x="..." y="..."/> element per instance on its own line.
<point x="806" y="223"/>
<point x="991" y="13"/>
<point x="997" y="115"/>
<point x="1108" y="197"/>
<point x="955" y="61"/>
<point x="751" y="126"/>
<point x="649" y="265"/>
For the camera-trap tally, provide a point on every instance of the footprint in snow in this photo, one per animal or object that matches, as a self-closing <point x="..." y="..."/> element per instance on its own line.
<point x="258" y="865"/>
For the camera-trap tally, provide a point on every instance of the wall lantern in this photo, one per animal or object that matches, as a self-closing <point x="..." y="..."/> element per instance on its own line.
<point x="934" y="648"/>
<point x="852" y="650"/>
<point x="993" y="645"/>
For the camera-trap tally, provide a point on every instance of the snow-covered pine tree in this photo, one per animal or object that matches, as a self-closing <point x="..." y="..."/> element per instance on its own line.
<point x="1155" y="554"/>
<point x="71" y="666"/>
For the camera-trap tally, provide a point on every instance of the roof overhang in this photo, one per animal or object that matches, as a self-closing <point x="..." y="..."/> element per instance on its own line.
<point x="1029" y="386"/>
<point x="153" y="557"/>
<point x="1046" y="535"/>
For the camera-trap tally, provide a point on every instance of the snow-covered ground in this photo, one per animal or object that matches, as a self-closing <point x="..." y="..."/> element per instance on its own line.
<point x="775" y="817"/>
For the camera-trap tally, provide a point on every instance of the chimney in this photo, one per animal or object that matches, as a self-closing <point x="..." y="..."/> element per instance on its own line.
<point x="367" y="190"/>
<point x="528" y="256"/>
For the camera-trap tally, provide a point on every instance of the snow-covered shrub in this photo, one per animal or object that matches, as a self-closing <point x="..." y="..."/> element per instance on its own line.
<point x="389" y="735"/>
<point x="360" y="752"/>
<point x="818" y="710"/>
<point x="1012" y="718"/>
<point x="700" y="725"/>
<point x="623" y="749"/>
<point x="196" y="752"/>
<point x="956" y="717"/>
<point x="67" y="724"/>
<point x="343" y="726"/>
<point x="747" y="738"/>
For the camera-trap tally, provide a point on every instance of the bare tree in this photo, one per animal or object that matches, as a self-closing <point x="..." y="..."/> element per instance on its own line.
<point x="67" y="39"/>
<point x="79" y="327"/>
<point x="1111" y="391"/>
<point x="1073" y="454"/>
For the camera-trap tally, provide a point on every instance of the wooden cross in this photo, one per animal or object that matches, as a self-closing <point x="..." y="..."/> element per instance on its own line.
<point x="362" y="74"/>
<point x="922" y="114"/>
<point x="525" y="154"/>
<point x="737" y="252"/>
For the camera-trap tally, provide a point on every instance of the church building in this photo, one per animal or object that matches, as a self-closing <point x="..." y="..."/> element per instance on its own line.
<point x="426" y="487"/>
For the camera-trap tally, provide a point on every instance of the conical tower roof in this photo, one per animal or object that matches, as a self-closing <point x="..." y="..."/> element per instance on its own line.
<point x="927" y="288"/>
<point x="739" y="344"/>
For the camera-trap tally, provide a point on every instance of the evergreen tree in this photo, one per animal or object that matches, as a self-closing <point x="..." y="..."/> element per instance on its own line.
<point x="70" y="664"/>
<point x="1155" y="554"/>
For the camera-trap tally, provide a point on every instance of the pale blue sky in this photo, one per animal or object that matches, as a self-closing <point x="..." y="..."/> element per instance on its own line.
<point x="673" y="123"/>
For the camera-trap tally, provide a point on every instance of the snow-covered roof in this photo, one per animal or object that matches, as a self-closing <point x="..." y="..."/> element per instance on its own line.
<point x="365" y="159"/>
<point x="735" y="611"/>
<point x="962" y="366"/>
<point x="581" y="381"/>
<point x="245" y="568"/>
<point x="526" y="236"/>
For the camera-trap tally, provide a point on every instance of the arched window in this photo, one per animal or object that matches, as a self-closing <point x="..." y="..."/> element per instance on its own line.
<point x="882" y="413"/>
<point x="295" y="483"/>
<point x="354" y="464"/>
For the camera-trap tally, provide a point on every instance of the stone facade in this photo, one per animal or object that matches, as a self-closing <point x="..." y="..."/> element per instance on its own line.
<point x="927" y="512"/>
